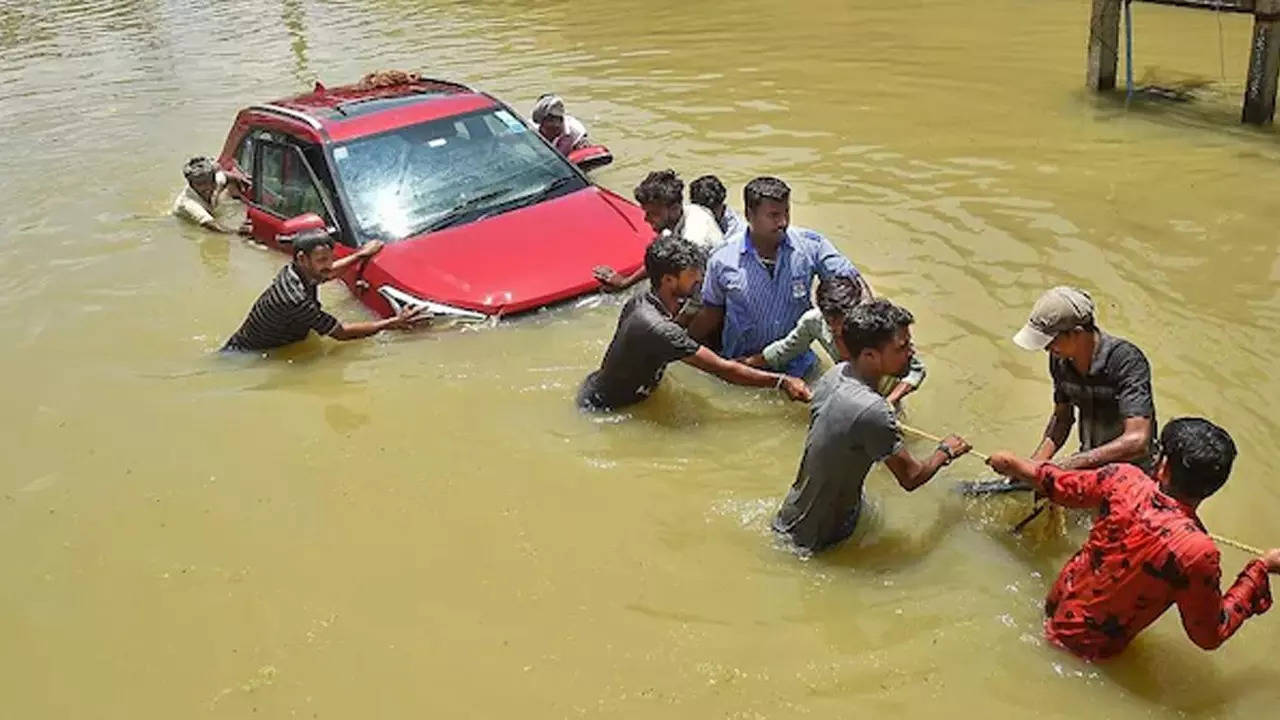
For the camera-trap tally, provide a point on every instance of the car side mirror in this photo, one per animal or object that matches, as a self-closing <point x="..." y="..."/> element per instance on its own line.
<point x="290" y="228"/>
<point x="591" y="157"/>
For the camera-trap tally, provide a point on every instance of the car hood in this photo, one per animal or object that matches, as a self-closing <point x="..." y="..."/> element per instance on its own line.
<point x="521" y="259"/>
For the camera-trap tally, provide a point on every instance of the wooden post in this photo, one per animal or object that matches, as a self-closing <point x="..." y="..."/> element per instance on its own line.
<point x="1104" y="38"/>
<point x="1264" y="64"/>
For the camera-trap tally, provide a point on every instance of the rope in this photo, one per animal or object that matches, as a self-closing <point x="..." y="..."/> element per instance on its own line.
<point x="927" y="436"/>
<point x="1039" y="508"/>
<point x="1237" y="545"/>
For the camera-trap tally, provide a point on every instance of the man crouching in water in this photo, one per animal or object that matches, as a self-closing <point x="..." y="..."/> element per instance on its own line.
<point x="648" y="337"/>
<point x="208" y="187"/>
<point x="852" y="427"/>
<point x="1147" y="549"/>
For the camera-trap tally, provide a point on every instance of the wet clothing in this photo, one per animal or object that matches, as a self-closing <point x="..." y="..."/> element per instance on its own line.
<point x="763" y="302"/>
<point x="1117" y="387"/>
<point x="190" y="206"/>
<point x="646" y="341"/>
<point x="1146" y="551"/>
<point x="851" y="428"/>
<point x="698" y="227"/>
<point x="284" y="313"/>
<point x="573" y="137"/>
<point x="813" y="326"/>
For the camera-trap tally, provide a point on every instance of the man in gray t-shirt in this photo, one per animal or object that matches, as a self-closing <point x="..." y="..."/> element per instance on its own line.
<point x="648" y="337"/>
<point x="852" y="427"/>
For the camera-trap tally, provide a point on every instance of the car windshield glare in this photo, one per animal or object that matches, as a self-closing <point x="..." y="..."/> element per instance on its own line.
<point x="446" y="172"/>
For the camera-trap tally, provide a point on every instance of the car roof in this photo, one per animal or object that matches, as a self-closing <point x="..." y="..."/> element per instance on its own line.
<point x="350" y="111"/>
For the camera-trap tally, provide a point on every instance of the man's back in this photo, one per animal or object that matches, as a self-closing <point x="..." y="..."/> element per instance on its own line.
<point x="851" y="428"/>
<point x="1145" y="552"/>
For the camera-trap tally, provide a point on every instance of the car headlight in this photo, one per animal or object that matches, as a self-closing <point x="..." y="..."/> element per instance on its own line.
<point x="400" y="300"/>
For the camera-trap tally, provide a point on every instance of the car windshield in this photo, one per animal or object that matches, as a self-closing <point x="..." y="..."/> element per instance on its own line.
<point x="447" y="172"/>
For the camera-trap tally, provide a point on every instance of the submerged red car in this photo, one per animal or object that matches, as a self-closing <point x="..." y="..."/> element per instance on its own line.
<point x="481" y="217"/>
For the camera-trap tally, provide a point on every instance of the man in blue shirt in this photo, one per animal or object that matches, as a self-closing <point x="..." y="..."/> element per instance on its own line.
<point x="758" y="284"/>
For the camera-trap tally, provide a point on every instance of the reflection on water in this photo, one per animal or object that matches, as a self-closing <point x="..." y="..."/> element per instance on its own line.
<point x="398" y="527"/>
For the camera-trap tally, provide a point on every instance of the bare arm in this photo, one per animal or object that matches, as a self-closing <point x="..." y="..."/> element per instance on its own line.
<point x="613" y="281"/>
<point x="899" y="391"/>
<point x="1131" y="444"/>
<point x="1056" y="432"/>
<point x="911" y="473"/>
<point x="706" y="324"/>
<point x="739" y="374"/>
<point x="355" y="331"/>
<point x="367" y="250"/>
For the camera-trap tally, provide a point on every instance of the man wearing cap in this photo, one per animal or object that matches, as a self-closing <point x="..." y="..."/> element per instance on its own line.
<point x="289" y="310"/>
<point x="207" y="188"/>
<point x="565" y="132"/>
<point x="1108" y="379"/>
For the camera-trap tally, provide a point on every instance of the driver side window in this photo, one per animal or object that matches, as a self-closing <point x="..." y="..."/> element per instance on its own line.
<point x="284" y="184"/>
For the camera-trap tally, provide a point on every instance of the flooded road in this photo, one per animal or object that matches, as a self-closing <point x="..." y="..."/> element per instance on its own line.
<point x="423" y="526"/>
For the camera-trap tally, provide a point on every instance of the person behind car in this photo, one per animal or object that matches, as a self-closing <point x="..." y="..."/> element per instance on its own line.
<point x="565" y="132"/>
<point x="208" y="186"/>
<point x="648" y="338"/>
<point x="289" y="309"/>
<point x="661" y="196"/>
<point x="710" y="193"/>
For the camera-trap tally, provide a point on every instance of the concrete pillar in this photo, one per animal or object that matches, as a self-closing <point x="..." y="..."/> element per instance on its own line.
<point x="1264" y="63"/>
<point x="1104" y="38"/>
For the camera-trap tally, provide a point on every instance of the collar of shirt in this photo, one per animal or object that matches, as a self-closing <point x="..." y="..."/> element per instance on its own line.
<point x="652" y="298"/>
<point x="745" y="245"/>
<point x="1101" y="351"/>
<point x="300" y="277"/>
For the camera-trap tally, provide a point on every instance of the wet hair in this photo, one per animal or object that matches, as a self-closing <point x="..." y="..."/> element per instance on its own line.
<point x="871" y="325"/>
<point x="838" y="295"/>
<point x="660" y="187"/>
<point x="671" y="255"/>
<point x="764" y="188"/>
<point x="1200" y="455"/>
<point x="707" y="191"/>
<point x="307" y="241"/>
<point x="199" y="168"/>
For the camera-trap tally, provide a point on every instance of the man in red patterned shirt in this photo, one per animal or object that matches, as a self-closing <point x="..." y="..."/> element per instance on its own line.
<point x="1147" y="549"/>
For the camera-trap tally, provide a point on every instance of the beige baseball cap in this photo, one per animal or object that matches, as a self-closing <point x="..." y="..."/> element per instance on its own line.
<point x="1057" y="311"/>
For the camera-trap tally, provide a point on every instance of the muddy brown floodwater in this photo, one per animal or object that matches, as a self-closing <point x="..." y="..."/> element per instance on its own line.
<point x="423" y="526"/>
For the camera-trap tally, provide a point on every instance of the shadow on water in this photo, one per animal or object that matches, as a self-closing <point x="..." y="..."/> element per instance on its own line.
<point x="1175" y="675"/>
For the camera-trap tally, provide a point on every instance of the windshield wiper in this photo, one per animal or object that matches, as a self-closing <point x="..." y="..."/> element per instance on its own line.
<point x="456" y="215"/>
<point x="541" y="193"/>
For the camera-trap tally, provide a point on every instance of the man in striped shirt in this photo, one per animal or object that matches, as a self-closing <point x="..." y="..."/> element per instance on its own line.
<point x="289" y="309"/>
<point x="758" y="284"/>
